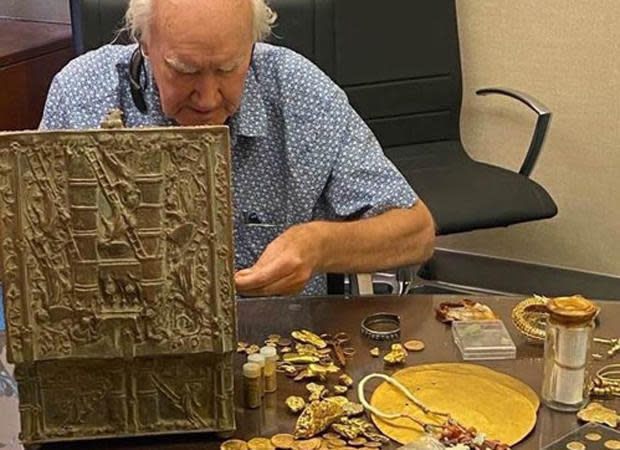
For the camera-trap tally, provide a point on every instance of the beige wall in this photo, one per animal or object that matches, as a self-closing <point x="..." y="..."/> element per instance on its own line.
<point x="567" y="54"/>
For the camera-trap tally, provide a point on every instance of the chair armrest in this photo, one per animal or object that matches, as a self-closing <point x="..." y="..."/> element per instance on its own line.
<point x="540" y="129"/>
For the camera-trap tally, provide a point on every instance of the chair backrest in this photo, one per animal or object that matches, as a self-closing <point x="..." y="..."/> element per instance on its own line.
<point x="96" y="23"/>
<point x="398" y="60"/>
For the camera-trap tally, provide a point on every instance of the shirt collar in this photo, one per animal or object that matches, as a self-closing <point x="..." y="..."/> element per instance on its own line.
<point x="250" y="120"/>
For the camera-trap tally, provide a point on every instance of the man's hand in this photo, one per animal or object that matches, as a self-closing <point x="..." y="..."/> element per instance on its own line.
<point x="285" y="266"/>
<point x="395" y="238"/>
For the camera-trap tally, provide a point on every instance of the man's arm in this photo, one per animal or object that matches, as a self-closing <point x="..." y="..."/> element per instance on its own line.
<point x="394" y="238"/>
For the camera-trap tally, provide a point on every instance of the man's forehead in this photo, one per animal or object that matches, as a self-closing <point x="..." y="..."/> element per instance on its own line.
<point x="215" y="26"/>
<point x="206" y="12"/>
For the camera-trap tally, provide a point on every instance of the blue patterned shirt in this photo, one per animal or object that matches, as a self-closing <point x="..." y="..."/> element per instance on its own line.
<point x="299" y="150"/>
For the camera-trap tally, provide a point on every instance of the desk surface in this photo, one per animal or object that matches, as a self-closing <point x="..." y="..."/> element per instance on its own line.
<point x="261" y="317"/>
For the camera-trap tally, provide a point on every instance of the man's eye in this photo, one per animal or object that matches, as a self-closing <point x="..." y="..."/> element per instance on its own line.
<point x="225" y="70"/>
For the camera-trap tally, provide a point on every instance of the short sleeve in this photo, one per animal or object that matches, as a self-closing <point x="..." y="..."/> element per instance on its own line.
<point x="363" y="182"/>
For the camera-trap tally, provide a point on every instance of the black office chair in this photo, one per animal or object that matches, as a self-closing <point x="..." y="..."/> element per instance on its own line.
<point x="399" y="63"/>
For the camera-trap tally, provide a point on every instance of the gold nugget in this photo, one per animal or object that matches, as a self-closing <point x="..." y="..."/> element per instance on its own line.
<point x="340" y="389"/>
<point x="295" y="404"/>
<point x="241" y="346"/>
<point x="597" y="413"/>
<point x="319" y="415"/>
<point x="345" y="380"/>
<point x="309" y="338"/>
<point x="307" y="349"/>
<point x="398" y="355"/>
<point x="252" y="349"/>
<point x="296" y="358"/>
<point x="353" y="409"/>
<point x="324" y="368"/>
<point x="316" y="391"/>
<point x="374" y="352"/>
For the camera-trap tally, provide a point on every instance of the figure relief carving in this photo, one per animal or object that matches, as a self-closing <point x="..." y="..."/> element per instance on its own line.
<point x="116" y="254"/>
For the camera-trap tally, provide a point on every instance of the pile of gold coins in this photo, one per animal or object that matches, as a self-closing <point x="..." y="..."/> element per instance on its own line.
<point x="328" y="441"/>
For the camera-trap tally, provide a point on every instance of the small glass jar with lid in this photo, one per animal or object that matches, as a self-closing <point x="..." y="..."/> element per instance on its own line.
<point x="567" y="352"/>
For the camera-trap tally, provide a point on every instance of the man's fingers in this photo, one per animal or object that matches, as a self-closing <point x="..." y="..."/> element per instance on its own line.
<point x="289" y="285"/>
<point x="257" y="277"/>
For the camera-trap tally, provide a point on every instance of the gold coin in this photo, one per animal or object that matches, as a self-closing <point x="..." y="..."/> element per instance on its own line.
<point x="283" y="440"/>
<point x="575" y="445"/>
<point x="273" y="337"/>
<point x="331" y="436"/>
<point x="336" y="443"/>
<point x="358" y="442"/>
<point x="234" y="444"/>
<point x="373" y="444"/>
<point x="260" y="444"/>
<point x="284" y="342"/>
<point x="612" y="444"/>
<point x="308" y="444"/>
<point x="593" y="437"/>
<point x="414" y="345"/>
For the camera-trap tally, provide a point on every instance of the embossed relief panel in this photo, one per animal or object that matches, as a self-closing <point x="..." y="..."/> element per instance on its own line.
<point x="116" y="243"/>
<point x="74" y="399"/>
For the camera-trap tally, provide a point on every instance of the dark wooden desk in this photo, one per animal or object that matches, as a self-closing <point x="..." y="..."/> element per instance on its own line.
<point x="31" y="53"/>
<point x="259" y="318"/>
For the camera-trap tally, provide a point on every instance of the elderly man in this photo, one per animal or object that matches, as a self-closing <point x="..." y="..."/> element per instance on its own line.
<point x="313" y="191"/>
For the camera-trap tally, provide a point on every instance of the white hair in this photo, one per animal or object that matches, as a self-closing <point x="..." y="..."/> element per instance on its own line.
<point x="139" y="13"/>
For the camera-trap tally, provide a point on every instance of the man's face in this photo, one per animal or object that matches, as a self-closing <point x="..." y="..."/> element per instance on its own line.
<point x="200" y="51"/>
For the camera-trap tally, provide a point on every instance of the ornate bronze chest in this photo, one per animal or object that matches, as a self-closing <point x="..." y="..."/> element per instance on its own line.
<point x="117" y="266"/>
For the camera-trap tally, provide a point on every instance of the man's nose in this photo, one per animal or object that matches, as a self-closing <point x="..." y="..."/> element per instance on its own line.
<point x="206" y="95"/>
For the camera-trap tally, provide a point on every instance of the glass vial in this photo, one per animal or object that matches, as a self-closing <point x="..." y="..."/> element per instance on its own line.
<point x="567" y="352"/>
<point x="252" y="381"/>
<point x="259" y="359"/>
<point x="271" y="357"/>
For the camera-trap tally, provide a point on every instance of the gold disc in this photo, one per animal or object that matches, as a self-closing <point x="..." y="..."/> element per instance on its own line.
<point x="283" y="440"/>
<point x="612" y="444"/>
<point x="234" y="444"/>
<point x="498" y="405"/>
<point x="414" y="345"/>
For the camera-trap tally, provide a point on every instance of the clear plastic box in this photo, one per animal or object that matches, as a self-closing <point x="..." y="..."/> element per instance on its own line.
<point x="483" y="339"/>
